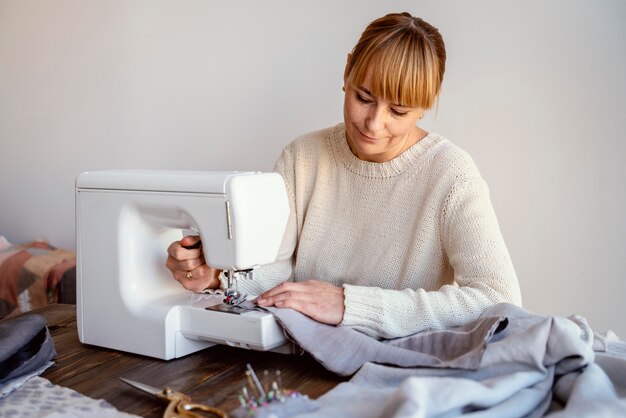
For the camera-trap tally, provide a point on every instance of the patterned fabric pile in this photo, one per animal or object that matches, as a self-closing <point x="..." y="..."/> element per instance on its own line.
<point x="33" y="275"/>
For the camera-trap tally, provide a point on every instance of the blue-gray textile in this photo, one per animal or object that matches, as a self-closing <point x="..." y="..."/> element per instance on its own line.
<point x="344" y="351"/>
<point x="25" y="346"/>
<point x="535" y="366"/>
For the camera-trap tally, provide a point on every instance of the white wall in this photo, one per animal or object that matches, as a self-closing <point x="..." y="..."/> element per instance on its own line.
<point x="535" y="91"/>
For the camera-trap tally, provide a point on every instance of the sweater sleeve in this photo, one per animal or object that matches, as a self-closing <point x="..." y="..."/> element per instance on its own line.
<point x="483" y="274"/>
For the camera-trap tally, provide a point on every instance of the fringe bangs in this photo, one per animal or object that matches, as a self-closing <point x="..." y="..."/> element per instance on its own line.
<point x="404" y="68"/>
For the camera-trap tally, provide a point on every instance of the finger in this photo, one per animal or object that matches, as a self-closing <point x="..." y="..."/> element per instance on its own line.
<point x="184" y="265"/>
<point x="294" y="296"/>
<point x="177" y="251"/>
<point x="282" y="288"/>
<point x="198" y="279"/>
<point x="191" y="242"/>
<point x="321" y="301"/>
<point x="320" y="312"/>
<point x="308" y="290"/>
<point x="297" y="305"/>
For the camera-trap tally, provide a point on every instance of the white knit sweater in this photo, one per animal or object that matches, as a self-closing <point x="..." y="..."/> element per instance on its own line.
<point x="414" y="241"/>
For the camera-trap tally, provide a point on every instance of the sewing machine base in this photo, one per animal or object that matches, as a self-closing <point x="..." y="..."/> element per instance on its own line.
<point x="208" y="319"/>
<point x="180" y="324"/>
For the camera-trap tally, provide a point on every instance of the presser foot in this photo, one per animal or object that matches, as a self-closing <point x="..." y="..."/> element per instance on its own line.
<point x="233" y="297"/>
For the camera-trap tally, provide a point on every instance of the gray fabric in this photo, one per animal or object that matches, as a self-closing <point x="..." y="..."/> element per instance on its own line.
<point x="615" y="368"/>
<point x="344" y="350"/>
<point x="25" y="346"/>
<point x="537" y="366"/>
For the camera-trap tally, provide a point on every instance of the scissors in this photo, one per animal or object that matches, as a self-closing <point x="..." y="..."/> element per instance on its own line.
<point x="180" y="405"/>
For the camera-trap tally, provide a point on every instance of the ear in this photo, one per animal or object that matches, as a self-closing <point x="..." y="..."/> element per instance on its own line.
<point x="346" y="71"/>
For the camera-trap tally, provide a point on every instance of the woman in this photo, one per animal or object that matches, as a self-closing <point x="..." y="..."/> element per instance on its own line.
<point x="391" y="229"/>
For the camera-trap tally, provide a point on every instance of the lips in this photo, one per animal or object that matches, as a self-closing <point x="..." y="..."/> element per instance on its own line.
<point x="368" y="138"/>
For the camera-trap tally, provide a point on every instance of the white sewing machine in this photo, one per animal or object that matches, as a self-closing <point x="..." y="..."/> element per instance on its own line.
<point x="126" y="219"/>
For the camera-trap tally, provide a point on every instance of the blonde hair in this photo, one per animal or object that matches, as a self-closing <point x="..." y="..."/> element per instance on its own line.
<point x="406" y="57"/>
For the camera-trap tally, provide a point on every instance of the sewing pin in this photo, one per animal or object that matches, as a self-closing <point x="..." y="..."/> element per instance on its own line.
<point x="279" y="379"/>
<point x="256" y="381"/>
<point x="265" y="382"/>
<point x="253" y="389"/>
<point x="278" y="394"/>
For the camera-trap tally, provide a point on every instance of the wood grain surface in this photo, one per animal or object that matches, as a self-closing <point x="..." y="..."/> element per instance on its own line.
<point x="214" y="376"/>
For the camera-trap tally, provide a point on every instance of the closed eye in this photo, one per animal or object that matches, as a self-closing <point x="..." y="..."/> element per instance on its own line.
<point x="362" y="98"/>
<point x="398" y="113"/>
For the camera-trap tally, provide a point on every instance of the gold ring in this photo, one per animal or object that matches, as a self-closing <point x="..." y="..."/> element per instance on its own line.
<point x="189" y="275"/>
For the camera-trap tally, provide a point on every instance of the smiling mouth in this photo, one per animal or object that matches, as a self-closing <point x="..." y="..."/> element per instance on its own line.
<point x="368" y="138"/>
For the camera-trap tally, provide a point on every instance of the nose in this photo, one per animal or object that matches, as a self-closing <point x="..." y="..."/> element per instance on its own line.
<point x="375" y="119"/>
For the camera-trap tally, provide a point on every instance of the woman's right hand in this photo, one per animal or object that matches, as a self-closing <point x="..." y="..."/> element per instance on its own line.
<point x="189" y="267"/>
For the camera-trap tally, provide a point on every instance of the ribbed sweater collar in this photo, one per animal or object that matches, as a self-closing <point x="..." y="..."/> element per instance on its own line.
<point x="399" y="165"/>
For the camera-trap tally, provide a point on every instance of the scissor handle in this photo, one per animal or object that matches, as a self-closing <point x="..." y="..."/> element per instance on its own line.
<point x="188" y="408"/>
<point x="180" y="407"/>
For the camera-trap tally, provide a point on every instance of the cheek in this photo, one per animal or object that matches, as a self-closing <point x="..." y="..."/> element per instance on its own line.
<point x="352" y="112"/>
<point x="401" y="127"/>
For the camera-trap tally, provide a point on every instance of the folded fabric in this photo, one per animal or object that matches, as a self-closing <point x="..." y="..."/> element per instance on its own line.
<point x="538" y="366"/>
<point x="344" y="350"/>
<point x="39" y="398"/>
<point x="30" y="275"/>
<point x="25" y="346"/>
<point x="16" y="383"/>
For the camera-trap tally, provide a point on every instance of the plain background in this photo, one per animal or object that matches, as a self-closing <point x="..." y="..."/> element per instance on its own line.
<point x="534" y="90"/>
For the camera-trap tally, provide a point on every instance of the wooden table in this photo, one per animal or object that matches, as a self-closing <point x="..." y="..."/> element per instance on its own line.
<point x="213" y="376"/>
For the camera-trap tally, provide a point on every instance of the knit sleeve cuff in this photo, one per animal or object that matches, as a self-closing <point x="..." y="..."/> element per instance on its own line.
<point x="363" y="309"/>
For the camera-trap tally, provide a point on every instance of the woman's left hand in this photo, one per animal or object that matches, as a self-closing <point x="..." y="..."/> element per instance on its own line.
<point x="321" y="301"/>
